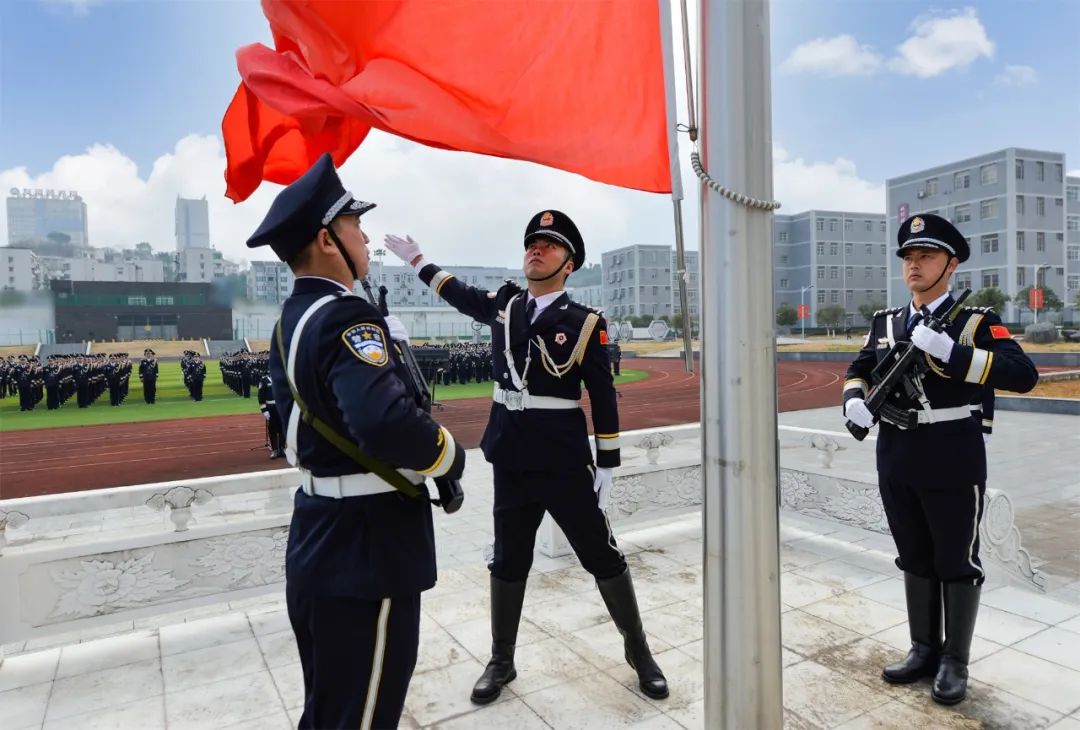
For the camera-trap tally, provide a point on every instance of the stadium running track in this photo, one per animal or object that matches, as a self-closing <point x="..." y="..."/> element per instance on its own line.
<point x="50" y="461"/>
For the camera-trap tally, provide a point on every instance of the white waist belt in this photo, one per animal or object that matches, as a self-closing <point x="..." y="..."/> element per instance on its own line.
<point x="515" y="400"/>
<point x="348" y="485"/>
<point x="937" y="415"/>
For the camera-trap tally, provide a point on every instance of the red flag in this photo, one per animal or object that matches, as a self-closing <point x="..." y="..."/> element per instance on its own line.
<point x="574" y="85"/>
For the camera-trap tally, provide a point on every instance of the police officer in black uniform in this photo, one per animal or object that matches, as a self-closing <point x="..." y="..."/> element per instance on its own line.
<point x="932" y="476"/>
<point x="360" y="551"/>
<point x="148" y="374"/>
<point x="544" y="347"/>
<point x="275" y="437"/>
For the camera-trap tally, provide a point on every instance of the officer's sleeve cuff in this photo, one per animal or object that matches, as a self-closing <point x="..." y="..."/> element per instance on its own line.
<point x="420" y="264"/>
<point x="608" y="459"/>
<point x="447" y="453"/>
<point x="855" y="388"/>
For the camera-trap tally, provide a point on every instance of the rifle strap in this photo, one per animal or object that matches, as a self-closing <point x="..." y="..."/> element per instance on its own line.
<point x="387" y="473"/>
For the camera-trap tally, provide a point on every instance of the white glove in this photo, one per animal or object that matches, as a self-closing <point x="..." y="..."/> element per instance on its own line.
<point x="937" y="344"/>
<point x="398" y="333"/>
<point x="602" y="486"/>
<point x="856" y="411"/>
<point x="405" y="249"/>
<point x="266" y="415"/>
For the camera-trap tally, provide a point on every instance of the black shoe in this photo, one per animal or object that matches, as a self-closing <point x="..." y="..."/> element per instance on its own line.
<point x="506" y="601"/>
<point x="924" y="621"/>
<point x="621" y="601"/>
<point x="961" y="609"/>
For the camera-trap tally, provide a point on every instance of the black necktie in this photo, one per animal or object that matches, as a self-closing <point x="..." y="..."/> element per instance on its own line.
<point x="530" y="310"/>
<point x="913" y="320"/>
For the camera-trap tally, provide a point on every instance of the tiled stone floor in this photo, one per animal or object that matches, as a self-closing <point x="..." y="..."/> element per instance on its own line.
<point x="236" y="666"/>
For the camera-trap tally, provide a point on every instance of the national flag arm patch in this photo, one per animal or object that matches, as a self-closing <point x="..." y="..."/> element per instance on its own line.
<point x="1000" y="332"/>
<point x="367" y="342"/>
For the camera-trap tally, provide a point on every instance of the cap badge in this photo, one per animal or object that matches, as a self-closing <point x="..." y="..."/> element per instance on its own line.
<point x="547" y="219"/>
<point x="917" y="224"/>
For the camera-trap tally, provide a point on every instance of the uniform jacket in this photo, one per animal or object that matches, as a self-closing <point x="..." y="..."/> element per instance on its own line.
<point x="372" y="546"/>
<point x="536" y="439"/>
<point x="985" y="357"/>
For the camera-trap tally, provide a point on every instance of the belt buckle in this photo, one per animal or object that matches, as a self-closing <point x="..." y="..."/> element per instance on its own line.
<point x="514" y="400"/>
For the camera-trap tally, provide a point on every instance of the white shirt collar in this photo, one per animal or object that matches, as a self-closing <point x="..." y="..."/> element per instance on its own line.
<point x="543" y="301"/>
<point x="332" y="281"/>
<point x="933" y="305"/>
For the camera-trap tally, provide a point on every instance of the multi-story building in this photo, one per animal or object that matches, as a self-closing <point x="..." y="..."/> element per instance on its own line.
<point x="269" y="281"/>
<point x="35" y="215"/>
<point x="192" y="224"/>
<point x="197" y="264"/>
<point x="825" y="258"/>
<point x="1072" y="247"/>
<point x="22" y="270"/>
<point x="116" y="269"/>
<point x="1012" y="206"/>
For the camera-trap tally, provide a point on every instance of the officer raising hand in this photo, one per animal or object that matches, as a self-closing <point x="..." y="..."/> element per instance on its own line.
<point x="361" y="544"/>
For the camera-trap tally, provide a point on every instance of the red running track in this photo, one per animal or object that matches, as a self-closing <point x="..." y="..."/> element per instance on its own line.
<point x="50" y="461"/>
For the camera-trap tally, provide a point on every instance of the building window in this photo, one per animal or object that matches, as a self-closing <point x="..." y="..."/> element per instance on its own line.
<point x="821" y="272"/>
<point x="783" y="283"/>
<point x="989" y="278"/>
<point x="1072" y="223"/>
<point x="962" y="213"/>
<point x="820" y="248"/>
<point x="1040" y="206"/>
<point x="847" y="225"/>
<point x="1040" y="170"/>
<point x="1073" y="254"/>
<point x="834" y="272"/>
<point x="869" y="226"/>
<point x="990" y="243"/>
<point x="136" y="301"/>
<point x="882" y="270"/>
<point x="1019" y="175"/>
<point x="821" y="297"/>
<point x="1019" y="275"/>
<point x="1019" y="240"/>
<point x="868" y="272"/>
<point x="832" y="224"/>
<point x="963" y="281"/>
<point x="988" y="209"/>
<point x="834" y="248"/>
<point x="1040" y="241"/>
<point x="834" y="296"/>
<point x="883" y="248"/>
<point x="1072" y="193"/>
<point x="1019" y="204"/>
<point x="849" y="295"/>
<point x="1074" y="281"/>
<point x="849" y="272"/>
<point x="881" y="226"/>
<point x="783" y="236"/>
<point x="820" y="225"/>
<point x="163" y="301"/>
<point x="869" y="249"/>
<point x="1059" y="172"/>
<point x="931" y="186"/>
<point x="962" y="180"/>
<point x="988" y="174"/>
<point x="848" y="248"/>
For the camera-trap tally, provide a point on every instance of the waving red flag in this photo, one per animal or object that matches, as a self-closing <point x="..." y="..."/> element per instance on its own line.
<point x="572" y="84"/>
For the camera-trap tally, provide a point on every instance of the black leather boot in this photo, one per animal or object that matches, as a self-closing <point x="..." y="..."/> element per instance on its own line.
<point x="924" y="621"/>
<point x="621" y="601"/>
<point x="961" y="608"/>
<point x="506" y="601"/>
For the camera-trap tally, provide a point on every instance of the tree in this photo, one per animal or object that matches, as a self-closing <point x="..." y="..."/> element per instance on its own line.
<point x="830" y="316"/>
<point x="1050" y="299"/>
<point x="989" y="296"/>
<point x="786" y="315"/>
<point x="866" y="311"/>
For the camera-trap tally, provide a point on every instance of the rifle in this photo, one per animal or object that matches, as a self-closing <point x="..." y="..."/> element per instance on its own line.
<point x="902" y="368"/>
<point x="451" y="495"/>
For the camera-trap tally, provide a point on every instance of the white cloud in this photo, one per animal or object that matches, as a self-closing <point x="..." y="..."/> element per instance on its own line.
<point x="943" y="43"/>
<point x="838" y="56"/>
<point x="835" y="185"/>
<point x="1017" y="76"/>
<point x="1073" y="173"/>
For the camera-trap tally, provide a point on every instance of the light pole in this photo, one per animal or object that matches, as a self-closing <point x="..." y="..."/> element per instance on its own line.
<point x="1035" y="284"/>
<point x="802" y="304"/>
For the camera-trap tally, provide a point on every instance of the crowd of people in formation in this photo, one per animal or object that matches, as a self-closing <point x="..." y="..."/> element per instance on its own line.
<point x="194" y="370"/>
<point x="60" y="377"/>
<point x="242" y="370"/>
<point x="455" y="364"/>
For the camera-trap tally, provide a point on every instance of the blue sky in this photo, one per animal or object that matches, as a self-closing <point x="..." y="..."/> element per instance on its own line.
<point x="148" y="82"/>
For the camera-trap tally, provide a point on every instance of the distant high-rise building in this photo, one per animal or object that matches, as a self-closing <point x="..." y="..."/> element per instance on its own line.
<point x="269" y="281"/>
<point x="23" y="270"/>
<point x="39" y="215"/>
<point x="641" y="280"/>
<point x="192" y="224"/>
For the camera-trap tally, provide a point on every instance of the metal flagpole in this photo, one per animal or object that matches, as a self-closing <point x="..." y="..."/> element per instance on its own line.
<point x="681" y="275"/>
<point x="743" y="680"/>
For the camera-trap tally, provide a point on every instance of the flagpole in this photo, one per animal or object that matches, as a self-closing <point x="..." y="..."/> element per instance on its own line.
<point x="743" y="677"/>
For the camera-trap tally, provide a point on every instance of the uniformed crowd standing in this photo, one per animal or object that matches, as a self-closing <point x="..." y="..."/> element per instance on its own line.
<point x="242" y="370"/>
<point x="194" y="371"/>
<point x="545" y="346"/>
<point x="361" y="543"/>
<point x="931" y="449"/>
<point x="86" y="377"/>
<point x="455" y="364"/>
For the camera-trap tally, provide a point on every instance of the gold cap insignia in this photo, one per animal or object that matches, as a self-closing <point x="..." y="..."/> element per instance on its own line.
<point x="917" y="224"/>
<point x="547" y="219"/>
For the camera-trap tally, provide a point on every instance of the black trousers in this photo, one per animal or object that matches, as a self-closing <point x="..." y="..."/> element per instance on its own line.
<point x="357" y="657"/>
<point x="149" y="390"/>
<point x="522" y="497"/>
<point x="936" y="529"/>
<point x="274" y="433"/>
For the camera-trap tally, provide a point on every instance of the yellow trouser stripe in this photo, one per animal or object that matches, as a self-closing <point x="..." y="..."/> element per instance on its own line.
<point x="377" y="658"/>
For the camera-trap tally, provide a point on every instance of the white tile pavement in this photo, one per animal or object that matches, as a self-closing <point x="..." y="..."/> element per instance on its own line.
<point x="236" y="667"/>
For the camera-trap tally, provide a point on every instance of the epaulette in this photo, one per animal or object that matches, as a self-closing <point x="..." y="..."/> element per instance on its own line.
<point x="984" y="310"/>
<point x="882" y="312"/>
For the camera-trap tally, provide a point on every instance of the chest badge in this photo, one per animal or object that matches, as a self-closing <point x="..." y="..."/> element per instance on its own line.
<point x="560" y="338"/>
<point x="367" y="342"/>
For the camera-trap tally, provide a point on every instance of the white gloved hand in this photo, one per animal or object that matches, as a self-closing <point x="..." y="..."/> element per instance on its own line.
<point x="602" y="486"/>
<point x="937" y="344"/>
<point x="856" y="411"/>
<point x="405" y="249"/>
<point x="398" y="333"/>
<point x="266" y="415"/>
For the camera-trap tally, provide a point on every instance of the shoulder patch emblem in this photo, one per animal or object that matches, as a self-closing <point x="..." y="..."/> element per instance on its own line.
<point x="367" y="342"/>
<point x="603" y="337"/>
<point x="1000" y="332"/>
<point x="560" y="338"/>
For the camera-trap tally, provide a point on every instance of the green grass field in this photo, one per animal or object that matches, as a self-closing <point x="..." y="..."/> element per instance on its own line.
<point x="173" y="402"/>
